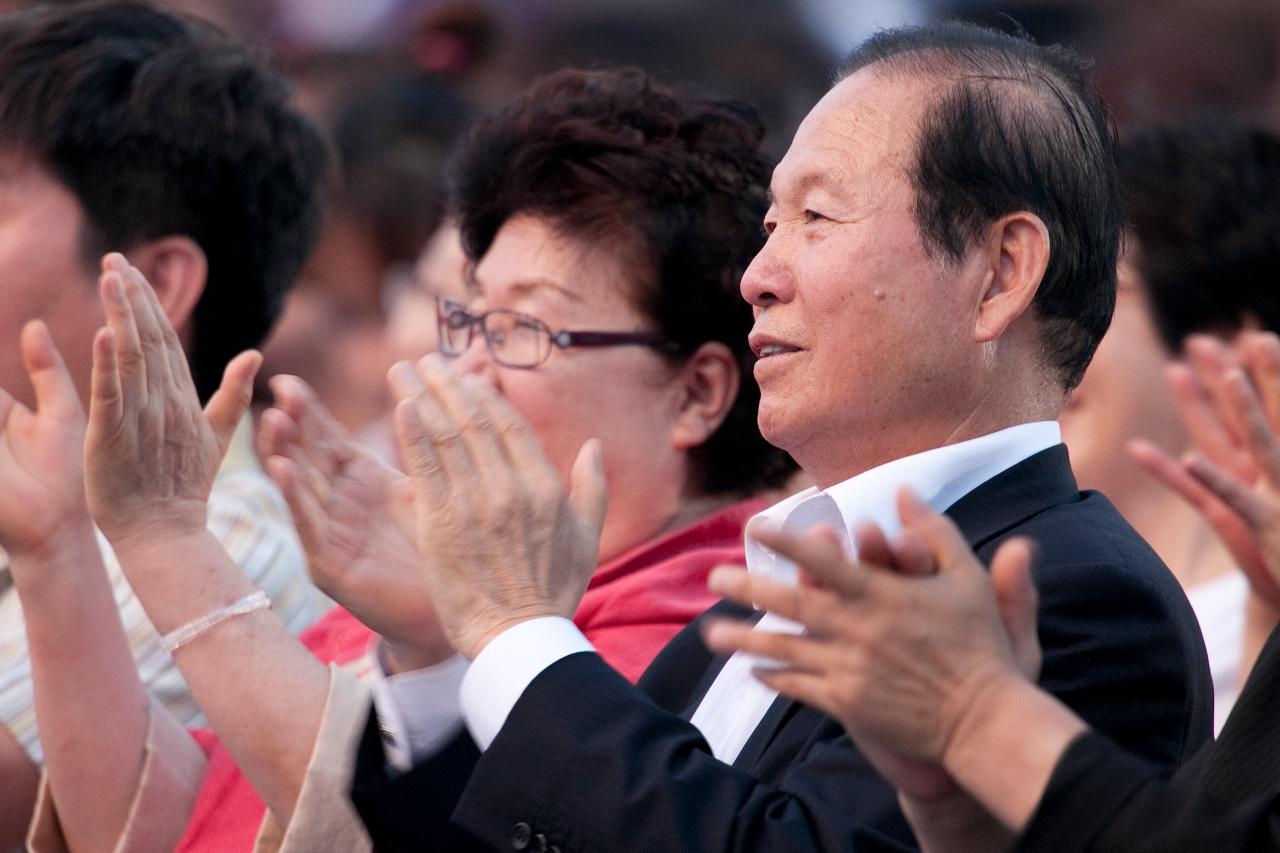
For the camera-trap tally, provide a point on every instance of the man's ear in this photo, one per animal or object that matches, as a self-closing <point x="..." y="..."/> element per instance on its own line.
<point x="709" y="385"/>
<point x="177" y="269"/>
<point x="1015" y="255"/>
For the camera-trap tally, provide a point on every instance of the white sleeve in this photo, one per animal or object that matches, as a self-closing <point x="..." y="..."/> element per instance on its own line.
<point x="509" y="664"/>
<point x="418" y="711"/>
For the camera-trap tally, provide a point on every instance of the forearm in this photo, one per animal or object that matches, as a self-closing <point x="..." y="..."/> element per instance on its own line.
<point x="264" y="694"/>
<point x="1005" y="751"/>
<point x="89" y="700"/>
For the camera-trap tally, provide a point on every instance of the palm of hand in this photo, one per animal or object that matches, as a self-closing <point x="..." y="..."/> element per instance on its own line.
<point x="361" y="549"/>
<point x="41" y="484"/>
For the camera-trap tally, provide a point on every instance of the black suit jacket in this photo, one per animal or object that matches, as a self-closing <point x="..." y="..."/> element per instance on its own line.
<point x="586" y="761"/>
<point x="1225" y="800"/>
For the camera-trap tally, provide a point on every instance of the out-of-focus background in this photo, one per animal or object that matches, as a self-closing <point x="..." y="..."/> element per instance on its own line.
<point x="396" y="81"/>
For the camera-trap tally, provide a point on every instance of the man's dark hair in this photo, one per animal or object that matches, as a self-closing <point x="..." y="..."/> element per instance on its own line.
<point x="162" y="125"/>
<point x="1202" y="206"/>
<point x="675" y="183"/>
<point x="1017" y="127"/>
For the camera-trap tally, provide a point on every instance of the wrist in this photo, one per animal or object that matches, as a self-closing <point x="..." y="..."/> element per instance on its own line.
<point x="400" y="656"/>
<point x="60" y="557"/>
<point x="479" y="632"/>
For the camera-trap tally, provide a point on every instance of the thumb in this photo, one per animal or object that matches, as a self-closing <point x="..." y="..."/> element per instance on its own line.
<point x="939" y="533"/>
<point x="55" y="392"/>
<point x="1018" y="601"/>
<point x="232" y="398"/>
<point x="588" y="492"/>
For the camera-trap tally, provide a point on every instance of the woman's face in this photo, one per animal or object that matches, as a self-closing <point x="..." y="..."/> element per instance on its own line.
<point x="1123" y="396"/>
<point x="626" y="396"/>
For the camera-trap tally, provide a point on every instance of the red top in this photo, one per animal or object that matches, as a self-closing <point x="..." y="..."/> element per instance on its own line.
<point x="633" y="606"/>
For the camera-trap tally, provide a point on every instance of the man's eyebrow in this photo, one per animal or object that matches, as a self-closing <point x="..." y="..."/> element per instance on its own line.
<point x="805" y="182"/>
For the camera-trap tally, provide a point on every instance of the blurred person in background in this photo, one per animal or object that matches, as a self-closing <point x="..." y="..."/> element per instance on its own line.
<point x="393" y="137"/>
<point x="610" y="219"/>
<point x="1202" y="247"/>
<point x="121" y="126"/>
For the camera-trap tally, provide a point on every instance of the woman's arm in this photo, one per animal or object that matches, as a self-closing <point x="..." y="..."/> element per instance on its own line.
<point x="85" y="681"/>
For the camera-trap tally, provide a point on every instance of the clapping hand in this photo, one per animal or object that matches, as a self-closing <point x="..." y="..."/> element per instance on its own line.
<point x="354" y="516"/>
<point x="151" y="452"/>
<point x="500" y="539"/>
<point x="903" y="645"/>
<point x="1233" y="413"/>
<point x="42" y="499"/>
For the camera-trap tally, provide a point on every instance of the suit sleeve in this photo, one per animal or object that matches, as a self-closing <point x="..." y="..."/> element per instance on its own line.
<point x="642" y="779"/>
<point x="1227" y="799"/>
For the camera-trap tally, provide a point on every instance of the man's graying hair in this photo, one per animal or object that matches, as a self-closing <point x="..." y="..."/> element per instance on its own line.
<point x="1016" y="127"/>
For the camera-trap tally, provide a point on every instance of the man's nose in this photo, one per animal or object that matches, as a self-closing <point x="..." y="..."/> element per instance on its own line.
<point x="768" y="277"/>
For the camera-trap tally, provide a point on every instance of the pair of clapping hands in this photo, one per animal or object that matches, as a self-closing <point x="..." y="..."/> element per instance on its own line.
<point x="911" y="642"/>
<point x="481" y="510"/>
<point x="144" y="459"/>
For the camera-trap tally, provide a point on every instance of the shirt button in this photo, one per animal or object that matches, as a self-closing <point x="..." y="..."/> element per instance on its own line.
<point x="520" y="835"/>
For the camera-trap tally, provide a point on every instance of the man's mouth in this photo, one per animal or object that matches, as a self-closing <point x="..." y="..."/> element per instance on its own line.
<point x="775" y="349"/>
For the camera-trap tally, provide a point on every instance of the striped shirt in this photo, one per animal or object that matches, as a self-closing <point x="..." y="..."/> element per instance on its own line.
<point x="248" y="515"/>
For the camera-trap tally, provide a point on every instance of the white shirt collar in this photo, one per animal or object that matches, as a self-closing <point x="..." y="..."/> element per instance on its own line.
<point x="940" y="477"/>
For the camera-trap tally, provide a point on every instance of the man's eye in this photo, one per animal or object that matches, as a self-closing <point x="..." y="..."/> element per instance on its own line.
<point x="813" y="216"/>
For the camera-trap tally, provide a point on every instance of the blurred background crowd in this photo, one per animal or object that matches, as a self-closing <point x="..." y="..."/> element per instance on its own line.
<point x="396" y="81"/>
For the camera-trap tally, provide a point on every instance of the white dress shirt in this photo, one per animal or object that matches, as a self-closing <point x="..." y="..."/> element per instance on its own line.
<point x="735" y="702"/>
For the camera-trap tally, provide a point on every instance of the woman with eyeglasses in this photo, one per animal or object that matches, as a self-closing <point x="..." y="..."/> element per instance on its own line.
<point x="608" y="220"/>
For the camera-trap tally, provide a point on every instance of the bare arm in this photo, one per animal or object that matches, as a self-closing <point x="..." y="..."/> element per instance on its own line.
<point x="85" y="680"/>
<point x="21" y="779"/>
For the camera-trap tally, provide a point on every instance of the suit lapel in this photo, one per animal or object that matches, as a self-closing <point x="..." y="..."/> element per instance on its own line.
<point x="995" y="507"/>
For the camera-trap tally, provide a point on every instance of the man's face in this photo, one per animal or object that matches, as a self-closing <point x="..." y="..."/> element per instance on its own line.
<point x="42" y="274"/>
<point x="861" y="333"/>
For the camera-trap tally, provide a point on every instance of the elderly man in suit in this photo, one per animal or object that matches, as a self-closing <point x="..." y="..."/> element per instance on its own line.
<point x="939" y="268"/>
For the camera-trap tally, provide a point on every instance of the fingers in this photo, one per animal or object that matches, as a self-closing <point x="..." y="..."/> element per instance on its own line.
<point x="871" y="545"/>
<point x="805" y="653"/>
<point x="588" y="491"/>
<point x="947" y="547"/>
<point x="1262" y="354"/>
<point x="1231" y="490"/>
<point x="418" y="453"/>
<point x="1259" y="435"/>
<point x="106" y="395"/>
<point x="1018" y="601"/>
<point x="129" y="365"/>
<point x="55" y="392"/>
<point x="819" y="554"/>
<point x="1209" y="360"/>
<point x="1201" y="418"/>
<point x="308" y="518"/>
<point x="442" y="452"/>
<point x="229" y="403"/>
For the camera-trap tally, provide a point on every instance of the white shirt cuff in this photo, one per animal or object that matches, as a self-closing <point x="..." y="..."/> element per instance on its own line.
<point x="418" y="710"/>
<point x="509" y="664"/>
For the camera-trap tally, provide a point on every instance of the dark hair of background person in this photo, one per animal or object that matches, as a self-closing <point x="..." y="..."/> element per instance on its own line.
<point x="162" y="125"/>
<point x="676" y="183"/>
<point x="1019" y="127"/>
<point x="394" y="138"/>
<point x="1202" y="205"/>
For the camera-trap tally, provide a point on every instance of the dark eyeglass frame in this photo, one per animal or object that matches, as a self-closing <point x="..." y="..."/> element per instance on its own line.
<point x="447" y="309"/>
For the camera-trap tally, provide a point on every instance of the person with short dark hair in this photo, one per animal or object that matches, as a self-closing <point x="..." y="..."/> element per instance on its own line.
<point x="939" y="267"/>
<point x="124" y="127"/>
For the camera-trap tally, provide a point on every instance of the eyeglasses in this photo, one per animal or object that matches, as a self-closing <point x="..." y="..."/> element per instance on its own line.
<point x="521" y="341"/>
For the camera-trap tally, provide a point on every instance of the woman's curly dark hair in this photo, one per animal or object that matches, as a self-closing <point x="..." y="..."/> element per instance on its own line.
<point x="677" y="183"/>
